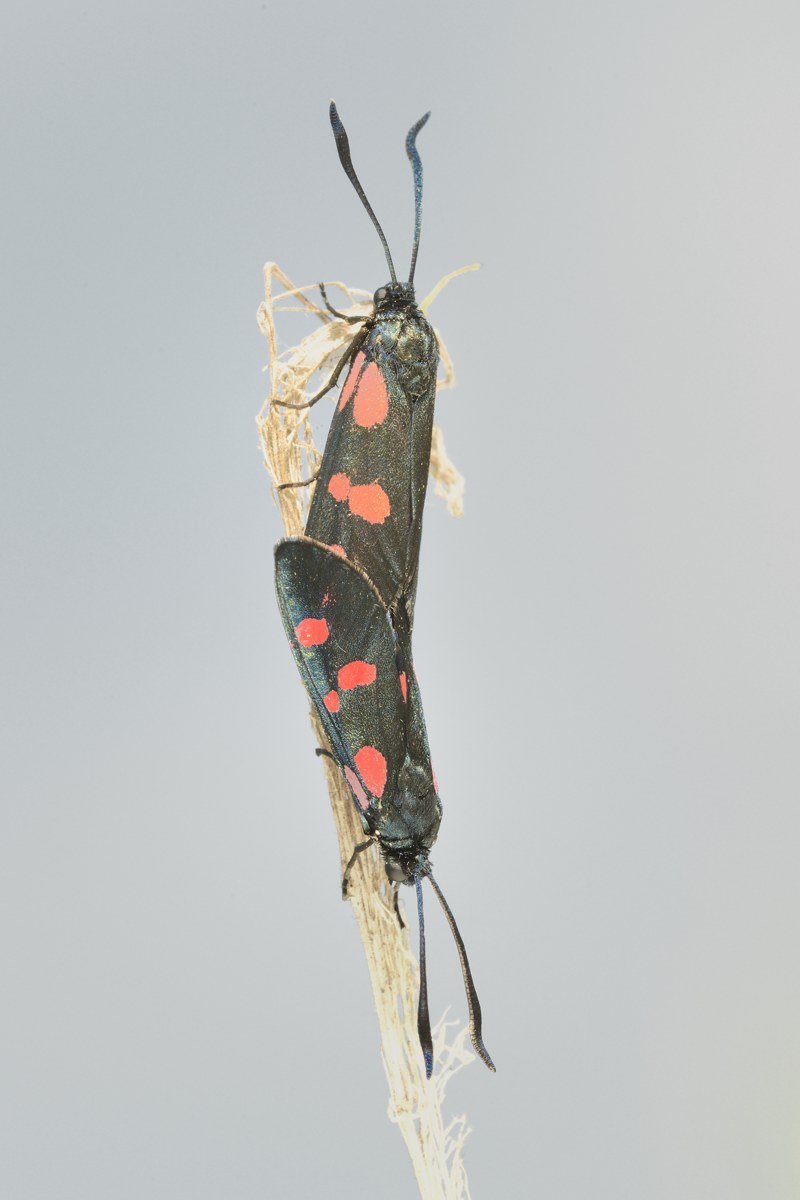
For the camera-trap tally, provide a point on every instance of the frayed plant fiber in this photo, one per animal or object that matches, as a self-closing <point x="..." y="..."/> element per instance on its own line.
<point x="415" y="1103"/>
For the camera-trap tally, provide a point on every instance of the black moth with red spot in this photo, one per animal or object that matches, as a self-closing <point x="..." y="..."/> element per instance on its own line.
<point x="346" y="589"/>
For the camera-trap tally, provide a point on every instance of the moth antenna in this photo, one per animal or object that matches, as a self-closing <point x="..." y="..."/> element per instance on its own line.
<point x="343" y="146"/>
<point x="416" y="167"/>
<point x="423" y="1015"/>
<point x="472" y="995"/>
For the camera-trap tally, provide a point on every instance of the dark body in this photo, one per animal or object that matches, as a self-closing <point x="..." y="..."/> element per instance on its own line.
<point x="375" y="722"/>
<point x="379" y="442"/>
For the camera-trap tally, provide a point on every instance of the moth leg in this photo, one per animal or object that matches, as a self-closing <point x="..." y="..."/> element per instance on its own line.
<point x="360" y="848"/>
<point x="349" y="353"/>
<point x="334" y="311"/>
<point x="398" y="914"/>
<point x="300" y="483"/>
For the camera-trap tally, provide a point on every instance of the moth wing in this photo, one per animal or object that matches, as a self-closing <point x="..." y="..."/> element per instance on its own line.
<point x="373" y="476"/>
<point x="345" y="648"/>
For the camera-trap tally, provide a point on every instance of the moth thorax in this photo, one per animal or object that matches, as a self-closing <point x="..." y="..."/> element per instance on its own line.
<point x="417" y="788"/>
<point x="417" y="355"/>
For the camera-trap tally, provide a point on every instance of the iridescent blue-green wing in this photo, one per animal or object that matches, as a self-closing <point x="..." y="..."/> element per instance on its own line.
<point x="345" y="648"/>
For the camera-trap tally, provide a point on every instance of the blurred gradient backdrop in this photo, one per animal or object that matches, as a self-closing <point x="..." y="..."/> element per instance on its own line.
<point x="608" y="641"/>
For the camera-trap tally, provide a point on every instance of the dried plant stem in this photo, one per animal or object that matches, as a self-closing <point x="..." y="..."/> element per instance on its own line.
<point x="415" y="1103"/>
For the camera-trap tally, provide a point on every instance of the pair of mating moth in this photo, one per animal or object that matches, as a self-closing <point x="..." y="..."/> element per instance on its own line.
<point x="346" y="589"/>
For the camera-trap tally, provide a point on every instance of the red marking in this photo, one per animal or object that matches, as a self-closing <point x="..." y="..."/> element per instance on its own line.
<point x="350" y="382"/>
<point x="311" y="632"/>
<point x="339" y="486"/>
<point x="369" y="501"/>
<point x="435" y="784"/>
<point x="331" y="701"/>
<point x="372" y="400"/>
<point x="355" y="784"/>
<point x="340" y="550"/>
<point x="327" y="599"/>
<point x="366" y="500"/>
<point x="404" y="686"/>
<point x="372" y="766"/>
<point x="356" y="674"/>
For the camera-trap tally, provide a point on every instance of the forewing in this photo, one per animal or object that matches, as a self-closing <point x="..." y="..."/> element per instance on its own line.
<point x="371" y="486"/>
<point x="417" y="748"/>
<point x="345" y="648"/>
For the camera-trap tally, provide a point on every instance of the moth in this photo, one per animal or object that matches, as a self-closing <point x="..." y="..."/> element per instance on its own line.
<point x="346" y="589"/>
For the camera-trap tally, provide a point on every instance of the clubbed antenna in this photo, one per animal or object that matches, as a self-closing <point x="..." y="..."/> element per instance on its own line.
<point x="423" y="1016"/>
<point x="343" y="146"/>
<point x="472" y="995"/>
<point x="416" y="167"/>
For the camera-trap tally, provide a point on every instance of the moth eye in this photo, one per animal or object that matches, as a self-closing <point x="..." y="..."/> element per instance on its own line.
<point x="381" y="294"/>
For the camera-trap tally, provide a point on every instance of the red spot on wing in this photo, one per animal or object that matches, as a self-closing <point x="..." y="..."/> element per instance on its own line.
<point x="368" y="501"/>
<point x="312" y="632"/>
<point x="435" y="784"/>
<point x="356" y="674"/>
<point x="371" y="403"/>
<point x="404" y="686"/>
<point x="340" y="550"/>
<point x="350" y="382"/>
<point x="339" y="486"/>
<point x="331" y="701"/>
<point x="355" y="784"/>
<point x="372" y="766"/>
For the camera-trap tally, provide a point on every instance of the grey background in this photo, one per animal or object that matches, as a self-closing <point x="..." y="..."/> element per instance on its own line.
<point x="607" y="642"/>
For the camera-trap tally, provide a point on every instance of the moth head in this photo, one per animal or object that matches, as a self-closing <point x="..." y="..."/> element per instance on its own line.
<point x="393" y="296"/>
<point x="407" y="866"/>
